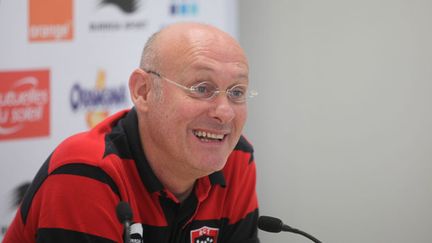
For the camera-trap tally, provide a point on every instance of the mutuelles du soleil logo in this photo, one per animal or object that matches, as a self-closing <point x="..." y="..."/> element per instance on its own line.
<point x="24" y="104"/>
<point x="96" y="102"/>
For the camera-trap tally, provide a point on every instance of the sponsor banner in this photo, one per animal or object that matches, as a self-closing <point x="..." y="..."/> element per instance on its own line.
<point x="71" y="40"/>
<point x="50" y="20"/>
<point x="24" y="104"/>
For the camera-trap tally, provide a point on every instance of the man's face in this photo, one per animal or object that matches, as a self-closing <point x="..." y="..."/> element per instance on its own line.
<point x="196" y="136"/>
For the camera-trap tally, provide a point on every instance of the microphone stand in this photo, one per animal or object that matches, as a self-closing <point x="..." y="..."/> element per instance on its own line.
<point x="275" y="225"/>
<point x="127" y="232"/>
<point x="297" y="231"/>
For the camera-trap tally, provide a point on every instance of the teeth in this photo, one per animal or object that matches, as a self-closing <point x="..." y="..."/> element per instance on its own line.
<point x="207" y="135"/>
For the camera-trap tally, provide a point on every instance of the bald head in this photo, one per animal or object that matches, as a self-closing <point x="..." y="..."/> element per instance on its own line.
<point x="166" y="49"/>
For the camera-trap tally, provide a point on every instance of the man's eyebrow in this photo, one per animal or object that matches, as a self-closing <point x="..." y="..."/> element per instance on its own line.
<point x="243" y="74"/>
<point x="208" y="67"/>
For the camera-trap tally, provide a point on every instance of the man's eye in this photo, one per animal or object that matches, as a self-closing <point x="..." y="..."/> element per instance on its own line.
<point x="237" y="92"/>
<point x="204" y="89"/>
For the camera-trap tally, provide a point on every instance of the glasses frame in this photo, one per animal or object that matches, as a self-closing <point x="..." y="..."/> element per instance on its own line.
<point x="192" y="92"/>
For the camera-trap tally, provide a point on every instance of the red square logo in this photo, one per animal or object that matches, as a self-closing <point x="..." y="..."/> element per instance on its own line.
<point x="50" y="20"/>
<point x="24" y="104"/>
<point x="204" y="235"/>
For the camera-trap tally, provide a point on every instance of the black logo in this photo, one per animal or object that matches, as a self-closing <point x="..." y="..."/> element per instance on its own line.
<point x="127" y="6"/>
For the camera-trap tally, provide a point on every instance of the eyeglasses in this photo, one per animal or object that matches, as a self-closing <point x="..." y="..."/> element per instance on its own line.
<point x="207" y="90"/>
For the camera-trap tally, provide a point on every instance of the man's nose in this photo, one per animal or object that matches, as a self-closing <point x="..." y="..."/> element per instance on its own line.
<point x="223" y="109"/>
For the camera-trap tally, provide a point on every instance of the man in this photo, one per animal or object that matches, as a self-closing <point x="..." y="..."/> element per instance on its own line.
<point x="177" y="158"/>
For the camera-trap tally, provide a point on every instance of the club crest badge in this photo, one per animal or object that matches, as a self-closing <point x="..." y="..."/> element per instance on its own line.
<point x="204" y="235"/>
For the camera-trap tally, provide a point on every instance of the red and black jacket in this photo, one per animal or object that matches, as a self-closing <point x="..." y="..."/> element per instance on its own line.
<point x="74" y="195"/>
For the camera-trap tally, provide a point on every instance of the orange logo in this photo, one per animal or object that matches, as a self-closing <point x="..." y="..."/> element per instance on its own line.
<point x="50" y="20"/>
<point x="24" y="104"/>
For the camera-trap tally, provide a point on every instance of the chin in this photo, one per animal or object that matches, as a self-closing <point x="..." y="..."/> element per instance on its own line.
<point x="213" y="166"/>
<point x="209" y="162"/>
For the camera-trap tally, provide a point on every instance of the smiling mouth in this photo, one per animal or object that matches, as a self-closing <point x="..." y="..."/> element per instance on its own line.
<point x="208" y="136"/>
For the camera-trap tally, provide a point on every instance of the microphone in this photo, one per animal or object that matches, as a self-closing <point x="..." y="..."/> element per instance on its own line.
<point x="124" y="214"/>
<point x="275" y="225"/>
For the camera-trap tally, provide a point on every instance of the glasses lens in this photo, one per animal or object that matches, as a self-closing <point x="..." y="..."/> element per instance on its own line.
<point x="237" y="93"/>
<point x="203" y="90"/>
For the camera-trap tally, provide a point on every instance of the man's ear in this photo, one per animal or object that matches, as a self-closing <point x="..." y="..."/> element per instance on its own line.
<point x="139" y="88"/>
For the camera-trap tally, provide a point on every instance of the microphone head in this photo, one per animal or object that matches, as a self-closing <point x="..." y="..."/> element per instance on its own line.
<point x="270" y="224"/>
<point x="124" y="212"/>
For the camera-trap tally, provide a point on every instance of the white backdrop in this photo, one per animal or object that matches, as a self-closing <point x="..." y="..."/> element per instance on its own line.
<point x="87" y="60"/>
<point x="342" y="125"/>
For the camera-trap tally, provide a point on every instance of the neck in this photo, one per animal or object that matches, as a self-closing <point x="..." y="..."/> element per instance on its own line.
<point x="170" y="178"/>
<point x="174" y="175"/>
<point x="182" y="196"/>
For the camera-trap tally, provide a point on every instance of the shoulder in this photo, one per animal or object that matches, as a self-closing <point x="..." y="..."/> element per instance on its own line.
<point x="241" y="162"/>
<point x="87" y="147"/>
<point x="243" y="151"/>
<point x="244" y="145"/>
<point x="76" y="179"/>
<point x="83" y="155"/>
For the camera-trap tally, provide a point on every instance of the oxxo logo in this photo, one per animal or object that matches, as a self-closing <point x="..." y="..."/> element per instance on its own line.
<point x="97" y="101"/>
<point x="24" y="104"/>
<point x="50" y="20"/>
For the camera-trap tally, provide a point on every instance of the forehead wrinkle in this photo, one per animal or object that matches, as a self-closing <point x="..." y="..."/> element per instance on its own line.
<point x="217" y="47"/>
<point x="239" y="72"/>
<point x="200" y="58"/>
<point x="199" y="69"/>
<point x="198" y="48"/>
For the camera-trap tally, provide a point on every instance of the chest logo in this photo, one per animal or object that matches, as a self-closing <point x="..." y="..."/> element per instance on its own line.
<point x="204" y="235"/>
